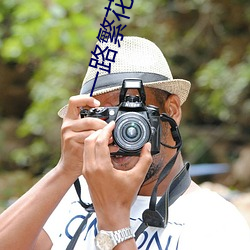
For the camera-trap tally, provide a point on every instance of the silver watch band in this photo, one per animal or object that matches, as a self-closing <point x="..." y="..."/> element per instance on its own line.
<point x="107" y="240"/>
<point x="122" y="234"/>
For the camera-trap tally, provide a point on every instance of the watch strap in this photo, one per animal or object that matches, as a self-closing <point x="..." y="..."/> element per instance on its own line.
<point x="122" y="235"/>
<point x="107" y="240"/>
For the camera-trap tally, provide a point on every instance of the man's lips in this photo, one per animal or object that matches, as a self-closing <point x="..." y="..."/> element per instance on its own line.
<point x="119" y="161"/>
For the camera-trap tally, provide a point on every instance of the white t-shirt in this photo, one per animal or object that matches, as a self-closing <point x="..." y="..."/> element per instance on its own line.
<point x="201" y="220"/>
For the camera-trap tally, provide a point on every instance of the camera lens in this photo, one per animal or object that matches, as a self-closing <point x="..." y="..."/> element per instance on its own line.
<point x="132" y="131"/>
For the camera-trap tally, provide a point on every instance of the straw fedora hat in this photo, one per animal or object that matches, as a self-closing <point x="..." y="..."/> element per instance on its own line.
<point x="135" y="58"/>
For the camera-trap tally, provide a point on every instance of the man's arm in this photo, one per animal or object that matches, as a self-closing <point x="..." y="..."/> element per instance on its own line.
<point x="21" y="224"/>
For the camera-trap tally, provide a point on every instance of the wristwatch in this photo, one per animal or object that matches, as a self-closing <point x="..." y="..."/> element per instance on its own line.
<point x="107" y="240"/>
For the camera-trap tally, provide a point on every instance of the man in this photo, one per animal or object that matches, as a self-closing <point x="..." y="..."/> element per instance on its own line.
<point x="122" y="187"/>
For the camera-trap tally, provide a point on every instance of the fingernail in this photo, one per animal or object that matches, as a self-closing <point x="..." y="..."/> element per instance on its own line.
<point x="96" y="102"/>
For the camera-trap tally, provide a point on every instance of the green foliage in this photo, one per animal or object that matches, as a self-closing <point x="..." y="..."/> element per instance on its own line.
<point x="37" y="30"/>
<point x="54" y="38"/>
<point x="222" y="87"/>
<point x="13" y="185"/>
<point x="204" y="41"/>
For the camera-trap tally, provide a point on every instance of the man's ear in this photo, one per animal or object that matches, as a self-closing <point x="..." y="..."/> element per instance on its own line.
<point x="173" y="108"/>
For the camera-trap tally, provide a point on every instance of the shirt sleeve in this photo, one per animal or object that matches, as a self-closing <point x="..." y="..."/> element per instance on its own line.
<point x="55" y="221"/>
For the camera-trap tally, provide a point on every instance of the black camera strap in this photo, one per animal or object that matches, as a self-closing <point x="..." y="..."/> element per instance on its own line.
<point x="157" y="213"/>
<point x="88" y="207"/>
<point x="158" y="216"/>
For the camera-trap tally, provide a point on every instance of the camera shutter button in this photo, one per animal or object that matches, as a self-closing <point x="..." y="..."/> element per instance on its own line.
<point x="92" y="111"/>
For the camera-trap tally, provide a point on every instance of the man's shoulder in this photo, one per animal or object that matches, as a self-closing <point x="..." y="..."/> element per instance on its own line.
<point x="211" y="218"/>
<point x="200" y="201"/>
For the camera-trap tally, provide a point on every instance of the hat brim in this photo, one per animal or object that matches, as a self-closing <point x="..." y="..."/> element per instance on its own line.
<point x="178" y="87"/>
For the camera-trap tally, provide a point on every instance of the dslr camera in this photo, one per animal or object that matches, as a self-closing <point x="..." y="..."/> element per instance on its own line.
<point x="135" y="123"/>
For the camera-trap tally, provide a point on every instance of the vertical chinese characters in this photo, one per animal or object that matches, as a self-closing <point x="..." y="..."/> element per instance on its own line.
<point x="109" y="31"/>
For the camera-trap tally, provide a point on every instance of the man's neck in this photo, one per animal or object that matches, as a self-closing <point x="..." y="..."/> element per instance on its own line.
<point x="146" y="189"/>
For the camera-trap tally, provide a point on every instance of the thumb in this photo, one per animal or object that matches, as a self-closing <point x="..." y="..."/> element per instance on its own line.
<point x="145" y="160"/>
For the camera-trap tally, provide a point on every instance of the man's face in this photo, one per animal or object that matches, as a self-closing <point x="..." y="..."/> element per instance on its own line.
<point x="128" y="162"/>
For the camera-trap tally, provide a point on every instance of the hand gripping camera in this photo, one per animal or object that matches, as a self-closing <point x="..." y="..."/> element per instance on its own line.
<point x="135" y="123"/>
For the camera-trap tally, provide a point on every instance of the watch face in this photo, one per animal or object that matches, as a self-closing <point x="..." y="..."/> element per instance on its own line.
<point x="103" y="241"/>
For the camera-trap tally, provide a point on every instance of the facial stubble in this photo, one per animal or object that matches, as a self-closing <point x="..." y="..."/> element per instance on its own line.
<point x="154" y="169"/>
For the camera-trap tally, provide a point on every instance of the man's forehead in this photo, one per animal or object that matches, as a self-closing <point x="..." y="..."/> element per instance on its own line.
<point x="112" y="94"/>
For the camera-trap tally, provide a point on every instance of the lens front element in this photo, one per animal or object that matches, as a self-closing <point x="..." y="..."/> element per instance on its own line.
<point x="132" y="131"/>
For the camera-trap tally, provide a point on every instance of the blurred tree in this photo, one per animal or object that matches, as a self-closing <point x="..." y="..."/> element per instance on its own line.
<point x="206" y="42"/>
<point x="53" y="39"/>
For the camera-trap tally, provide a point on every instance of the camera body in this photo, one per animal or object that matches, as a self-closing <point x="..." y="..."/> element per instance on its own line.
<point x="135" y="122"/>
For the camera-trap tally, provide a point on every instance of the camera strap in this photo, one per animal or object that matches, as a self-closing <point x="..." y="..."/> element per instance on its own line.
<point x="157" y="213"/>
<point x="89" y="208"/>
<point x="157" y="216"/>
